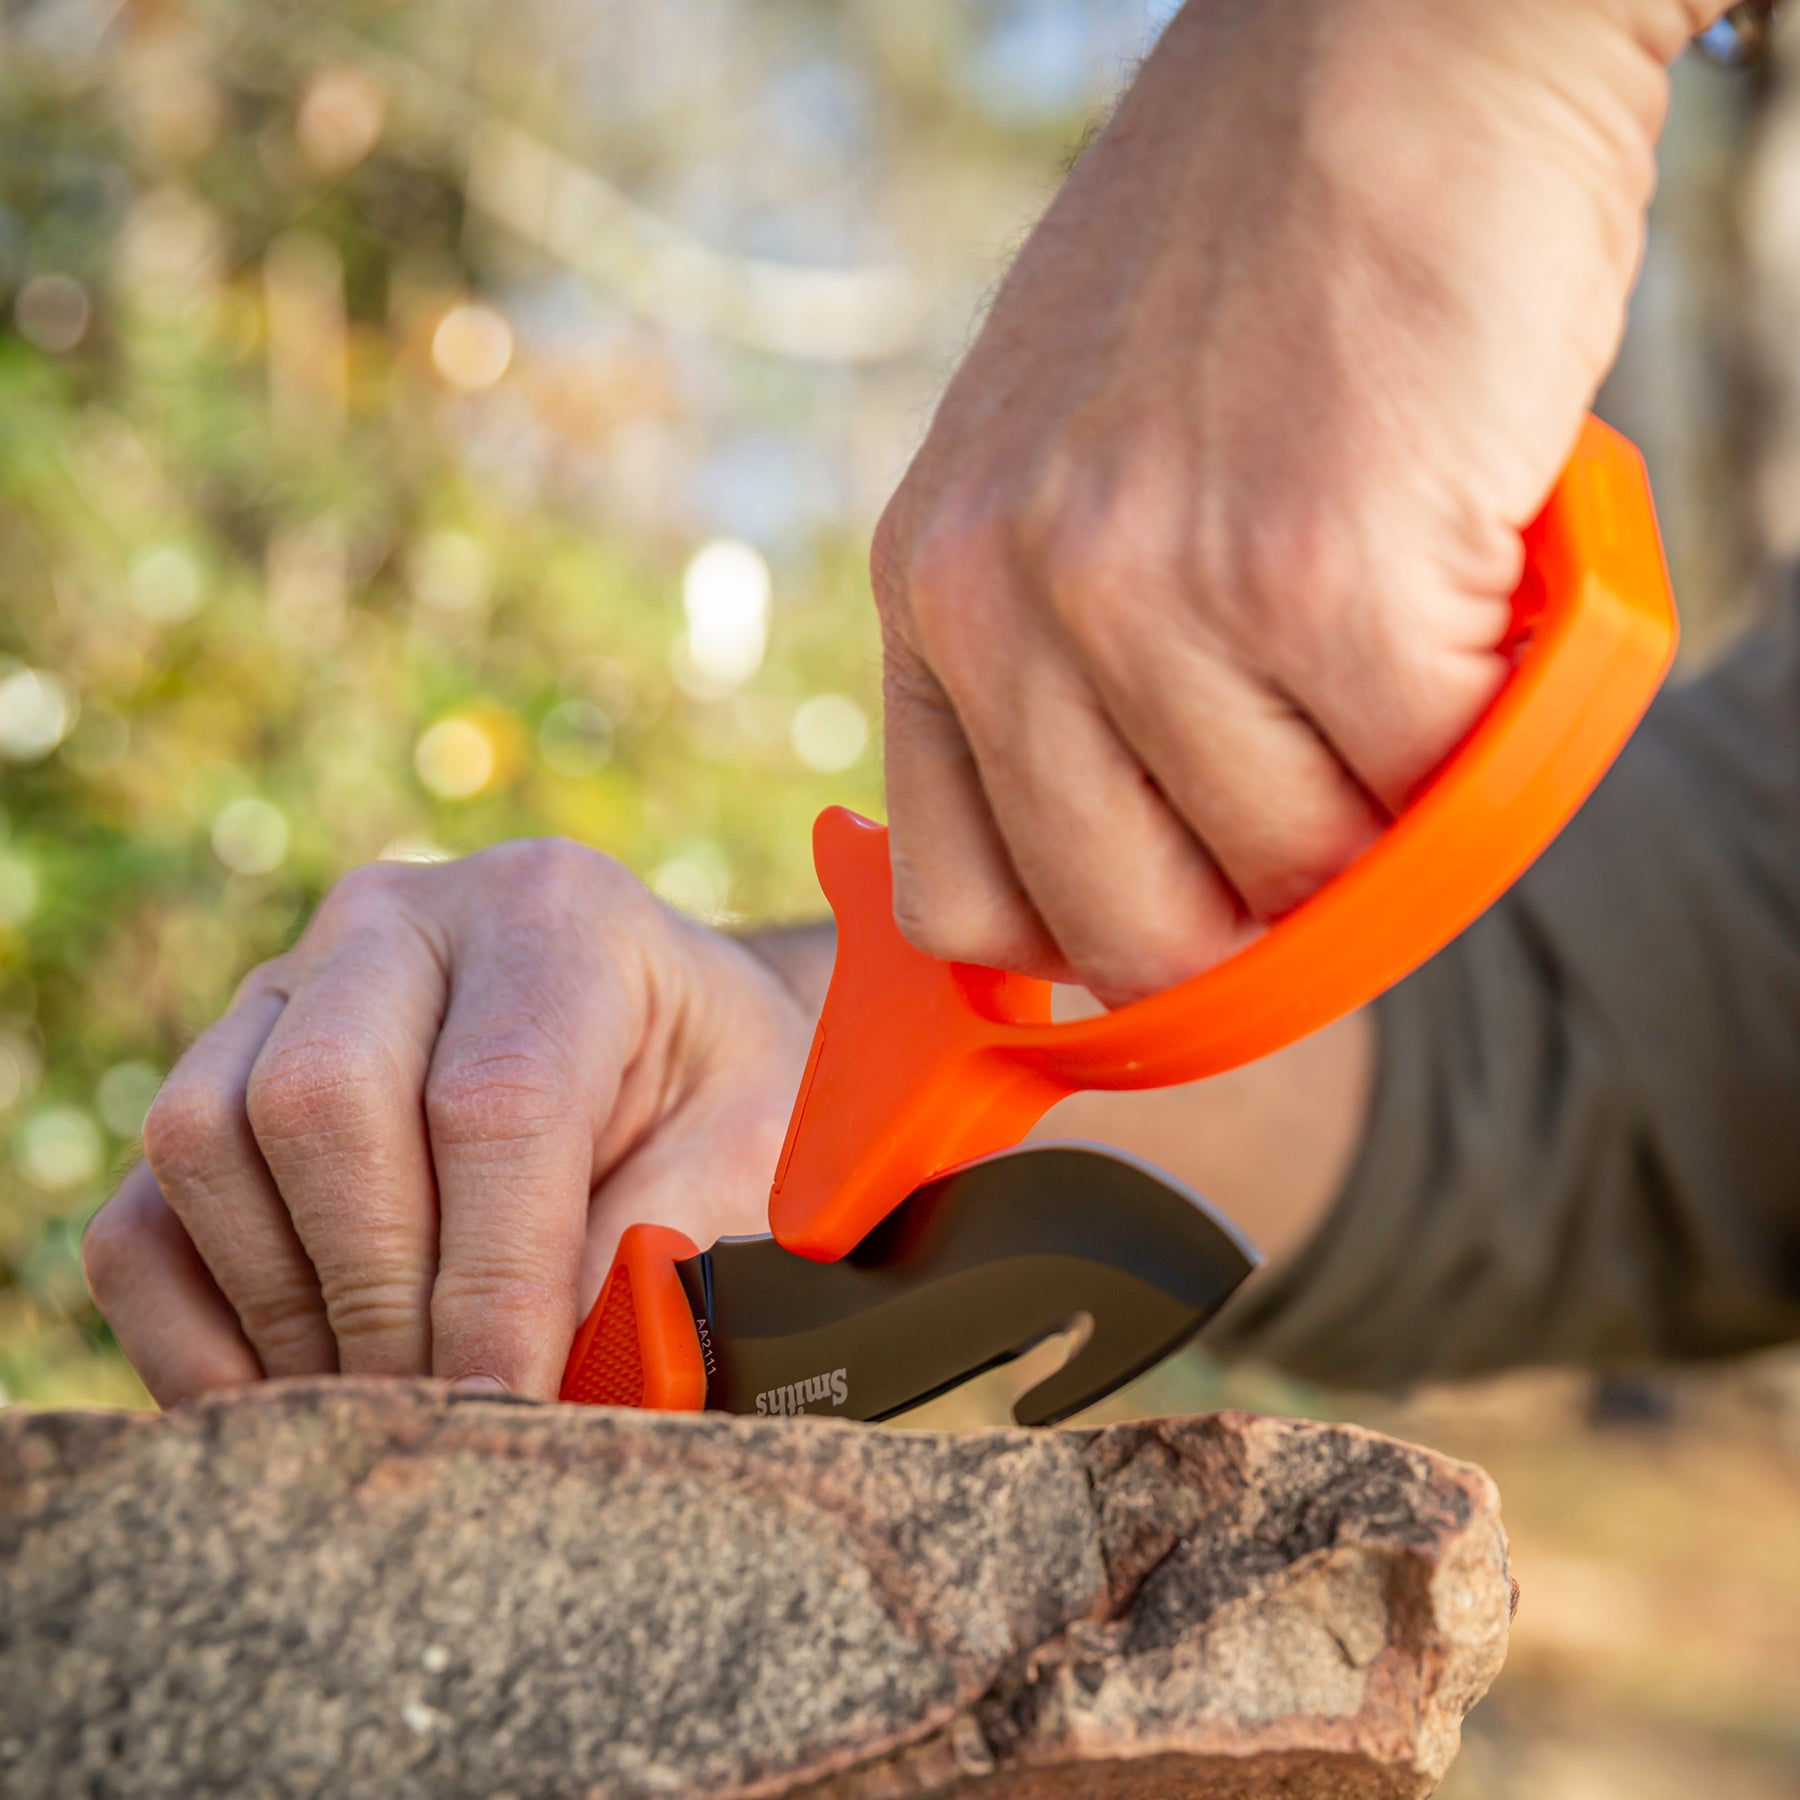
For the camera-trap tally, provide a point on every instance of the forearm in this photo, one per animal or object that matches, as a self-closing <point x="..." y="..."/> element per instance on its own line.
<point x="1270" y="1144"/>
<point x="1583" y="1145"/>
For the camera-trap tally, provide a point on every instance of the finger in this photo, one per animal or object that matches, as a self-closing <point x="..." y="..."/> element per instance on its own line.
<point x="956" y="894"/>
<point x="1243" y="768"/>
<point x="1130" y="900"/>
<point x="335" y="1102"/>
<point x="525" y="1078"/>
<point x="199" y="1145"/>
<point x="1395" y="686"/>
<point x="174" y="1325"/>
<point x="1130" y="896"/>
<point x="1247" y="772"/>
<point x="1395" y="712"/>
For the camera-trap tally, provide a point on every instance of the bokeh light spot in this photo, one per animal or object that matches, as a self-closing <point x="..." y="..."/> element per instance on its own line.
<point x="725" y="594"/>
<point x="455" y="759"/>
<point x="174" y="252"/>
<point x="829" y="732"/>
<point x="698" y="881"/>
<point x="165" y="585"/>
<point x="21" y="1067"/>
<point x="451" y="572"/>
<point x="472" y="347"/>
<point x="53" y="313"/>
<point x="250" y="836"/>
<point x="37" y="711"/>
<point x="576" y="739"/>
<point x="18" y="889"/>
<point x="340" y="118"/>
<point x="123" y="1096"/>
<point x="59" y="1148"/>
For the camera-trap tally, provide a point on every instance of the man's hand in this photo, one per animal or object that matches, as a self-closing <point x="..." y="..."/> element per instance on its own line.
<point x="1206" y="559"/>
<point x="411" y="1145"/>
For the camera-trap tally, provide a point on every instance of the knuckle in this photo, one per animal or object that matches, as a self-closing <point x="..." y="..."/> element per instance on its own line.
<point x="1287" y="582"/>
<point x="1104" y="564"/>
<point x="959" y="563"/>
<point x="887" y="563"/>
<point x="501" y="1321"/>
<point x="191" y="1123"/>
<point x="361" y="898"/>
<point x="315" y="1086"/>
<point x="1077" y="484"/>
<point x="1098" y="609"/>
<point x="557" y="875"/>
<point x="1277" y="863"/>
<point x="492" y="1295"/>
<point x="271" y="977"/>
<point x="375" y="1308"/>
<point x="1166" y="945"/>
<point x="1282" y="884"/>
<point x="1147" y="969"/>
<point x="112" y="1238"/>
<point x="513" y="1089"/>
<point x="993" y="931"/>
<point x="937" y="931"/>
<point x="287" y="1327"/>
<point x="917" y="715"/>
<point x="371" y="883"/>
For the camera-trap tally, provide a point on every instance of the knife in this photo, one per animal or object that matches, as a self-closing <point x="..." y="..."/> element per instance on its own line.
<point x="911" y="1246"/>
<point x="972" y="1270"/>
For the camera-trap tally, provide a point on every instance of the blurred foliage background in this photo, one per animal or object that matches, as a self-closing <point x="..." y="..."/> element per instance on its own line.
<point x="422" y="424"/>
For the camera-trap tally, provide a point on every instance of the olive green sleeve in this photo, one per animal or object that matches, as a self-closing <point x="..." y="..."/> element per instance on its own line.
<point x="1584" y="1145"/>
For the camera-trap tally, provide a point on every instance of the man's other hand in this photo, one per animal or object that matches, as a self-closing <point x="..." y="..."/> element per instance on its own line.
<point x="411" y="1145"/>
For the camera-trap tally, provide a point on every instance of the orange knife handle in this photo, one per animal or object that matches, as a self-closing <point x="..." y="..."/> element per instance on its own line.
<point x="639" y="1346"/>
<point x="920" y="1065"/>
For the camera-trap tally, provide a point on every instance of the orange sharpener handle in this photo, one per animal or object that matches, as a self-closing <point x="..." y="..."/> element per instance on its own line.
<point x="640" y="1346"/>
<point x="920" y="1065"/>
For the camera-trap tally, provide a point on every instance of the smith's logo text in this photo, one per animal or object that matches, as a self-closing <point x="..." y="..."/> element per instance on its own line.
<point x="798" y="1396"/>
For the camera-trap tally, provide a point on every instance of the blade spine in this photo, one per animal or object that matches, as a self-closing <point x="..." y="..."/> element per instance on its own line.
<point x="1213" y="1215"/>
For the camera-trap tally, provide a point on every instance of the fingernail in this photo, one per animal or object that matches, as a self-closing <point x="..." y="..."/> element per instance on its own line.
<point x="478" y="1384"/>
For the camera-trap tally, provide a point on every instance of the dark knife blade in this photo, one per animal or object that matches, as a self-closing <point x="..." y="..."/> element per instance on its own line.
<point x="970" y="1271"/>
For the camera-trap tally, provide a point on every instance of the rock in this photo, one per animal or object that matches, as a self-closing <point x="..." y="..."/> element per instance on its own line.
<point x="348" y="1587"/>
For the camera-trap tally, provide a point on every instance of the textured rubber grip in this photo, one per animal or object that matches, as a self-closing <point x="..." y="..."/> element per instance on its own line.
<point x="639" y="1345"/>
